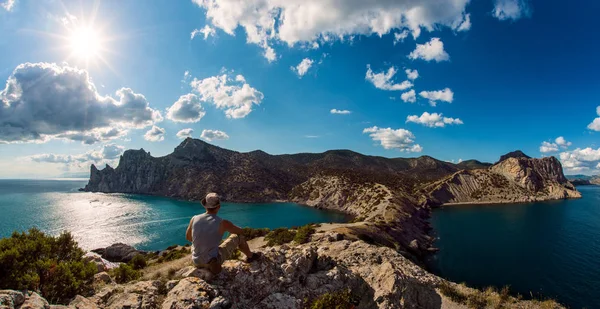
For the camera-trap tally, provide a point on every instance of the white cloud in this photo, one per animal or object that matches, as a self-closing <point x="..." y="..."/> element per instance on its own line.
<point x="433" y="120"/>
<point x="268" y="22"/>
<point x="400" y="36"/>
<point x="384" y="81"/>
<point x="581" y="159"/>
<point x="562" y="142"/>
<point x="185" y="133"/>
<point x="155" y="134"/>
<point x="340" y="111"/>
<point x="432" y="50"/>
<point x="511" y="9"/>
<point x="389" y="138"/>
<point x="44" y="101"/>
<point x="302" y="67"/>
<point x="445" y="95"/>
<point x="211" y="135"/>
<point x="311" y="136"/>
<point x="466" y="24"/>
<point x="186" y="109"/>
<point x="206" y="32"/>
<point x="559" y="143"/>
<point x="547" y="147"/>
<point x="236" y="97"/>
<point x="108" y="154"/>
<point x="412" y="74"/>
<point x="409" y="96"/>
<point x="8" y="5"/>
<point x="595" y="125"/>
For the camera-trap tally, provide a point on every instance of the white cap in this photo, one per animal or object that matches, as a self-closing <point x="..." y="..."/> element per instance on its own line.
<point x="211" y="201"/>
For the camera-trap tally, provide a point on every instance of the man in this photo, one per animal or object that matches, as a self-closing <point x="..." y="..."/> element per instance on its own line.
<point x="205" y="231"/>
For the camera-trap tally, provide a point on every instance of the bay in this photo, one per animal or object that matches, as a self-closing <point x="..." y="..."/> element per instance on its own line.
<point x="146" y="222"/>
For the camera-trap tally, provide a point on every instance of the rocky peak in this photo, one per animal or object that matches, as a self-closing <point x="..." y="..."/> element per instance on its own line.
<point x="198" y="150"/>
<point x="513" y="154"/>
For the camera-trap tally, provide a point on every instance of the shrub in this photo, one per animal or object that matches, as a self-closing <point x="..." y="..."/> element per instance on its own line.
<point x="125" y="273"/>
<point x="279" y="236"/>
<point x="334" y="300"/>
<point x="54" y="266"/>
<point x="476" y="301"/>
<point x="171" y="272"/>
<point x="452" y="292"/>
<point x="172" y="255"/>
<point x="138" y="262"/>
<point x="303" y="234"/>
<point x="250" y="233"/>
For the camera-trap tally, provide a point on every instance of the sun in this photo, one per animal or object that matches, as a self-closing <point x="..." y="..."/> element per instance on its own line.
<point x="85" y="43"/>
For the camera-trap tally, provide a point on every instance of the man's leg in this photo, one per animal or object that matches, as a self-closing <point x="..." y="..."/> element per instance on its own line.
<point x="232" y="243"/>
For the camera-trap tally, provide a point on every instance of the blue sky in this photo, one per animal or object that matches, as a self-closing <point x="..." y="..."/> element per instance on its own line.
<point x="502" y="74"/>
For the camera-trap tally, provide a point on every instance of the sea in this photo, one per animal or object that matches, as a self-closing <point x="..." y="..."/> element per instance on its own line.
<point x="145" y="222"/>
<point x="544" y="249"/>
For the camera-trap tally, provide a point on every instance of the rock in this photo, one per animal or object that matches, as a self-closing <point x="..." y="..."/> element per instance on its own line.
<point x="103" y="277"/>
<point x="190" y="293"/>
<point x="35" y="301"/>
<point x="11" y="299"/>
<point x="171" y="284"/>
<point x="120" y="252"/>
<point x="192" y="271"/>
<point x="280" y="301"/>
<point x="59" y="307"/>
<point x="220" y="303"/>
<point x="80" y="302"/>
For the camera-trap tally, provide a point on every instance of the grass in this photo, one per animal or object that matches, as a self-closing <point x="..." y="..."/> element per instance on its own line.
<point x="334" y="300"/>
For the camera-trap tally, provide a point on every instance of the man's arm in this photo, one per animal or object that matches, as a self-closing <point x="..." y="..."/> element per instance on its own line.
<point x="231" y="228"/>
<point x="188" y="233"/>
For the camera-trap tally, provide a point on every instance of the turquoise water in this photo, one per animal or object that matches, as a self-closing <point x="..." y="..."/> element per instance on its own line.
<point x="547" y="248"/>
<point x="146" y="222"/>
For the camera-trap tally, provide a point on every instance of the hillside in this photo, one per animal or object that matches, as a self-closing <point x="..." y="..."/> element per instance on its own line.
<point x="395" y="194"/>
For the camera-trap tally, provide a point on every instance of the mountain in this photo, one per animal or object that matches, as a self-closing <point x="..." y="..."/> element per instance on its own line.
<point x="515" y="178"/>
<point x="584" y="180"/>
<point x="389" y="198"/>
<point x="513" y="154"/>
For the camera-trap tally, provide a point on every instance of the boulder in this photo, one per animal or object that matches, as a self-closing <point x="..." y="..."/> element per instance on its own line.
<point x="120" y="252"/>
<point x="35" y="301"/>
<point x="190" y="293"/>
<point x="192" y="271"/>
<point x="102" y="278"/>
<point x="80" y="302"/>
<point x="280" y="301"/>
<point x="11" y="299"/>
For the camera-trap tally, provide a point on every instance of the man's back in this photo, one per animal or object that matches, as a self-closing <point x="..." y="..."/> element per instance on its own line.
<point x="206" y="237"/>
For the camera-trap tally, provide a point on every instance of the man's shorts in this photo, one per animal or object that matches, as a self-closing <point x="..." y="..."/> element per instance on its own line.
<point x="226" y="251"/>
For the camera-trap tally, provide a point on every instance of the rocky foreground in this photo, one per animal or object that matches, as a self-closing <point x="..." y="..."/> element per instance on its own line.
<point x="291" y="275"/>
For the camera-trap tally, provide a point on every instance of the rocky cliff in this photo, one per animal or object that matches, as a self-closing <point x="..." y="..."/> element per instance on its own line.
<point x="515" y="178"/>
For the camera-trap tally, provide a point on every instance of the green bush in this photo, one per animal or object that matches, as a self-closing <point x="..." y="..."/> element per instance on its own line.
<point x="138" y="262"/>
<point x="173" y="255"/>
<point x="452" y="292"/>
<point x="250" y="233"/>
<point x="303" y="234"/>
<point x="279" y="236"/>
<point x="54" y="266"/>
<point x="334" y="300"/>
<point x="125" y="273"/>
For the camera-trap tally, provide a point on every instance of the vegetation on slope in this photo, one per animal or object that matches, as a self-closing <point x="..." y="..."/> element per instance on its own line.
<point x="54" y="266"/>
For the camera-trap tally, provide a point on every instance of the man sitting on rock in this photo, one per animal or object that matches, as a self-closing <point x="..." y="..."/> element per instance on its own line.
<point x="205" y="231"/>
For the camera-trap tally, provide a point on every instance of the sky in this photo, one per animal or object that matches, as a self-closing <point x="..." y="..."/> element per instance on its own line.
<point x="82" y="81"/>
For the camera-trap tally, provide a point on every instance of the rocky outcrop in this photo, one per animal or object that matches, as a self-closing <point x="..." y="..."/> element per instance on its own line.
<point x="118" y="252"/>
<point x="292" y="276"/>
<point x="515" y="178"/>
